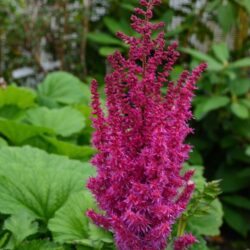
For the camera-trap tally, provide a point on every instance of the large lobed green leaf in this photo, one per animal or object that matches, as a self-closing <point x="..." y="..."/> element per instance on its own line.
<point x="64" y="121"/>
<point x="71" y="226"/>
<point x="209" y="223"/>
<point x="37" y="183"/>
<point x="17" y="96"/>
<point x="63" y="88"/>
<point x="17" y="132"/>
<point x="21" y="226"/>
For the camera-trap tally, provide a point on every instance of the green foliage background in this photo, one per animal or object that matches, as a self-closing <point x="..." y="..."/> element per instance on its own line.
<point x="53" y="115"/>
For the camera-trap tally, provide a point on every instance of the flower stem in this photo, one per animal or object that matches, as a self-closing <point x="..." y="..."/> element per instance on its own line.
<point x="181" y="226"/>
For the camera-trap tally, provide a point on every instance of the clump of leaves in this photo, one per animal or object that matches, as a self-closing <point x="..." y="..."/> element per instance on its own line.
<point x="44" y="195"/>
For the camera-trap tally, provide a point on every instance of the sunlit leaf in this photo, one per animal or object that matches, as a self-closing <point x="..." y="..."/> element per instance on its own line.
<point x="210" y="223"/>
<point x="239" y="110"/>
<point x="64" y="121"/>
<point x="21" y="226"/>
<point x="17" y="96"/>
<point x="63" y="88"/>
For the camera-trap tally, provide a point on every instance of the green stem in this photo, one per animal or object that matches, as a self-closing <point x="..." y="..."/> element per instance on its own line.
<point x="181" y="226"/>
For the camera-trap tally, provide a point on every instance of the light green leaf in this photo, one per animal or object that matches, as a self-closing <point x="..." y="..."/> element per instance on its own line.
<point x="70" y="223"/>
<point x="63" y="88"/>
<point x="70" y="150"/>
<point x="213" y="64"/>
<point x="17" y="96"/>
<point x="3" y="143"/>
<point x="99" y="234"/>
<point x="245" y="62"/>
<point x="17" y="132"/>
<point x="221" y="52"/>
<point x="197" y="178"/>
<point x="64" y="121"/>
<point x="175" y="73"/>
<point x="239" y="110"/>
<point x="39" y="245"/>
<point x="37" y="183"/>
<point x="235" y="220"/>
<point x="71" y="226"/>
<point x="21" y="226"/>
<point x="210" y="223"/>
<point x="209" y="104"/>
<point x="103" y="38"/>
<point x="106" y="51"/>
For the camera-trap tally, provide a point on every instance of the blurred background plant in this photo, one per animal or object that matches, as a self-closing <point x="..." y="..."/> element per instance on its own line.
<point x="42" y="36"/>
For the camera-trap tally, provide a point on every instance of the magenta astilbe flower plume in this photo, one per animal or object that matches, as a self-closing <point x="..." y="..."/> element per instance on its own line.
<point x="140" y="141"/>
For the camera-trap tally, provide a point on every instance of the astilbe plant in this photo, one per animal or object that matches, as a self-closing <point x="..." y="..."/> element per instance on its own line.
<point x="140" y="141"/>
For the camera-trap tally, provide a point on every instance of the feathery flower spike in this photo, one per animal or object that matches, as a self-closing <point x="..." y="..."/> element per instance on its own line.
<point x="141" y="141"/>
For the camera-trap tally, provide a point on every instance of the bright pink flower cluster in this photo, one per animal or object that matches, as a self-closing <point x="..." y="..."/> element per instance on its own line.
<point x="184" y="241"/>
<point x="140" y="141"/>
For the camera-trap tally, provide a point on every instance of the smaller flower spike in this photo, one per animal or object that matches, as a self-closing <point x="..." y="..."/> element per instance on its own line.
<point x="185" y="241"/>
<point x="140" y="141"/>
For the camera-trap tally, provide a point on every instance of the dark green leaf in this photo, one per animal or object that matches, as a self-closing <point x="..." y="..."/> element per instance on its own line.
<point x="237" y="200"/>
<point x="247" y="150"/>
<point x="235" y="220"/>
<point x="240" y="86"/>
<point x="39" y="245"/>
<point x="233" y="180"/>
